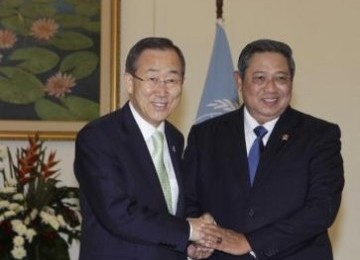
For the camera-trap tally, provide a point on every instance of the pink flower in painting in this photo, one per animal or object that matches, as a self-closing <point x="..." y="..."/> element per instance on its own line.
<point x="60" y="84"/>
<point x="44" y="29"/>
<point x="7" y="39"/>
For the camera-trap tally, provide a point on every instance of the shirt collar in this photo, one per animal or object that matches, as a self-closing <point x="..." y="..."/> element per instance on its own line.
<point x="146" y="128"/>
<point x="250" y="123"/>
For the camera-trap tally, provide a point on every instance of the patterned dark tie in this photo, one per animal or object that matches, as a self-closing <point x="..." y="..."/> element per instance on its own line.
<point x="255" y="152"/>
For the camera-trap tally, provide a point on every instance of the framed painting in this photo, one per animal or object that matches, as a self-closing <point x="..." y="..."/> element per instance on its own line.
<point x="59" y="66"/>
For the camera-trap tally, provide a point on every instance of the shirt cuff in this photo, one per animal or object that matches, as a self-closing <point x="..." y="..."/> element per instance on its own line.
<point x="252" y="253"/>
<point x="191" y="231"/>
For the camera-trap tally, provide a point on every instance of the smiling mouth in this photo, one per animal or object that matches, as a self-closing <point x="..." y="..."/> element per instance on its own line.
<point x="270" y="100"/>
<point x="159" y="105"/>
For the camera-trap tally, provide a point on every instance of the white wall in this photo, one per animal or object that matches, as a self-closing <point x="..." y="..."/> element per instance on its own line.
<point x="325" y="39"/>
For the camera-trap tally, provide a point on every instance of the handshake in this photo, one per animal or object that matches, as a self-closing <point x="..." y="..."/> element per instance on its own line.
<point x="207" y="236"/>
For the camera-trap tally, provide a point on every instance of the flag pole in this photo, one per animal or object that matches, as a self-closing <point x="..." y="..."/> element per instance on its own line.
<point x="220" y="93"/>
<point x="219" y="9"/>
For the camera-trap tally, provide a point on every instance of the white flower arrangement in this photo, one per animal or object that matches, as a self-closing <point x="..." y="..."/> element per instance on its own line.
<point x="35" y="213"/>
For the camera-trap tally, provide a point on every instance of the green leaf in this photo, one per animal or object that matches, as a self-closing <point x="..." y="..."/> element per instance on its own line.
<point x="48" y="110"/>
<point x="88" y="9"/>
<point x="78" y="21"/>
<point x="80" y="64"/>
<point x="44" y="193"/>
<point x="17" y="24"/>
<point x="6" y="11"/>
<point x="49" y="245"/>
<point x="37" y="10"/>
<point x="66" y="192"/>
<point x="93" y="26"/>
<point x="31" y="62"/>
<point x="44" y="1"/>
<point x="10" y="3"/>
<point x="19" y="87"/>
<point x="84" y="108"/>
<point x="74" y="108"/>
<point x="77" y="2"/>
<point x="72" y="20"/>
<point x="71" y="41"/>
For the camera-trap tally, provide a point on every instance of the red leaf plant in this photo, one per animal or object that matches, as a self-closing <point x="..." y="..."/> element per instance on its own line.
<point x="36" y="213"/>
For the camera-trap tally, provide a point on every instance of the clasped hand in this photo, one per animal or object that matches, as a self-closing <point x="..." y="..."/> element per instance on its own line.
<point x="207" y="237"/>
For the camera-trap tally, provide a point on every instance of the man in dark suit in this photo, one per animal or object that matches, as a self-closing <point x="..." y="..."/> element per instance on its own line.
<point x="284" y="210"/>
<point x="132" y="203"/>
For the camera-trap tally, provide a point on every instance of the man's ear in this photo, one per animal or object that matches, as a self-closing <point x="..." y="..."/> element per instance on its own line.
<point x="238" y="81"/>
<point x="129" y="83"/>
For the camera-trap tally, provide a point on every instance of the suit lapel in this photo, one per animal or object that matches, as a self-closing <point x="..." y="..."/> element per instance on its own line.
<point x="139" y="152"/>
<point x="281" y="137"/>
<point x="231" y="140"/>
<point x="241" y="146"/>
<point x="175" y="151"/>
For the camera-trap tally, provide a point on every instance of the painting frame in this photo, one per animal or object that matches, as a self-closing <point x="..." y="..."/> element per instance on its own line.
<point x="109" y="85"/>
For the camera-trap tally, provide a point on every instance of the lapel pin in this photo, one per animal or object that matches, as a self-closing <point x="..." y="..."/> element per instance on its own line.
<point x="173" y="148"/>
<point x="285" y="137"/>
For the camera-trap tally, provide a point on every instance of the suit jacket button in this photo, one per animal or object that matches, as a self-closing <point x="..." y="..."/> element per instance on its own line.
<point x="251" y="212"/>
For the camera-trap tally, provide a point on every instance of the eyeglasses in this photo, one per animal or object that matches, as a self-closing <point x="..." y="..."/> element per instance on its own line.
<point x="153" y="81"/>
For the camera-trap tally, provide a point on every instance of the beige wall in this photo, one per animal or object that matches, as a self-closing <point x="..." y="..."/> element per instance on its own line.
<point x="325" y="38"/>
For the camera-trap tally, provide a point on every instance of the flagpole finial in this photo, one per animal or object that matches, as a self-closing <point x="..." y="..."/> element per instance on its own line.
<point x="219" y="9"/>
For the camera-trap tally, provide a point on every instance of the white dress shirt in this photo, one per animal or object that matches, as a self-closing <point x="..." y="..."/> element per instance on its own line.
<point x="250" y="124"/>
<point x="147" y="131"/>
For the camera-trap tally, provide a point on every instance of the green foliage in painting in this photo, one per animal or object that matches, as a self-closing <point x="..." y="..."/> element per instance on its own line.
<point x="71" y="41"/>
<point x="81" y="64"/>
<point x="19" y="87"/>
<point x="29" y="59"/>
<point x="72" y="108"/>
<point x="49" y="57"/>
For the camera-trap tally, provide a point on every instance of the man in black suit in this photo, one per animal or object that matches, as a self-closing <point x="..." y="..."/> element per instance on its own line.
<point x="132" y="204"/>
<point x="284" y="209"/>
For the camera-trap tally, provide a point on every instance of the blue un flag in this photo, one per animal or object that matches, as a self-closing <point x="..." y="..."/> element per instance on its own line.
<point x="220" y="93"/>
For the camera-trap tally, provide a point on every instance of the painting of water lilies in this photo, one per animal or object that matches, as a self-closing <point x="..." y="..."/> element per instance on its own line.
<point x="50" y="60"/>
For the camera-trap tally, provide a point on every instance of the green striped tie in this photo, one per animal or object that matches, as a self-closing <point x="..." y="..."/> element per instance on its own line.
<point x="158" y="159"/>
